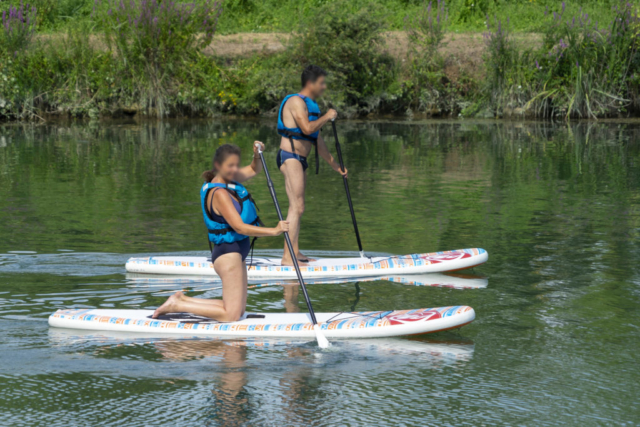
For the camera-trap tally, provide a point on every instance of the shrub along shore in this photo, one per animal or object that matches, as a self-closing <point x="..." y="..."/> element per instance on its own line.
<point x="152" y="58"/>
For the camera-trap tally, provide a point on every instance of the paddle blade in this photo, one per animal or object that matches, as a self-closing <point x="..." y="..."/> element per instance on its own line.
<point x="323" y="342"/>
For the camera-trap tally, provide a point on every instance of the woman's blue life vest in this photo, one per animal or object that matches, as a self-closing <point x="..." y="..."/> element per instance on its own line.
<point x="296" y="133"/>
<point x="222" y="232"/>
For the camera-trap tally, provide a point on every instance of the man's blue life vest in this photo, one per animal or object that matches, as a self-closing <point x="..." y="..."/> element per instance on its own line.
<point x="222" y="232"/>
<point x="296" y="133"/>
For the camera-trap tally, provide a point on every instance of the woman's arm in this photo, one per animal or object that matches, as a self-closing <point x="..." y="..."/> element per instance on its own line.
<point x="224" y="204"/>
<point x="254" y="168"/>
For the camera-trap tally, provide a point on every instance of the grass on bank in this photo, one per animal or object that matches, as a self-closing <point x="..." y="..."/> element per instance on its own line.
<point x="112" y="57"/>
<point x="241" y="16"/>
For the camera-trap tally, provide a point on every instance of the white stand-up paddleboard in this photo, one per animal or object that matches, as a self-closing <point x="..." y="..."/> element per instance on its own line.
<point x="270" y="268"/>
<point x="366" y="324"/>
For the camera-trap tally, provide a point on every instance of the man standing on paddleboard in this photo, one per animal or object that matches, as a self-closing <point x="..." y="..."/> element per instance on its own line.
<point x="299" y="124"/>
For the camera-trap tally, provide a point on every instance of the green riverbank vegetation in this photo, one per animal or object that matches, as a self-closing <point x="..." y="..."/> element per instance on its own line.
<point x="154" y="58"/>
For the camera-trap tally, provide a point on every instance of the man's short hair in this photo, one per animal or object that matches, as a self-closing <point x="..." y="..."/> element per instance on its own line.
<point x="311" y="74"/>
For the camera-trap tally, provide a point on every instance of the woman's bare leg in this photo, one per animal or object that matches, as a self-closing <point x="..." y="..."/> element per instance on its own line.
<point x="233" y="272"/>
<point x="205" y="301"/>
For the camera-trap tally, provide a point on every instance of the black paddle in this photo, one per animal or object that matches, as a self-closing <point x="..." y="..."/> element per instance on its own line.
<point x="322" y="340"/>
<point x="346" y="188"/>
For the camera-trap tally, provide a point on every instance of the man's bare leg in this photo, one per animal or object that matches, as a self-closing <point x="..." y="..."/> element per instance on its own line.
<point x="294" y="181"/>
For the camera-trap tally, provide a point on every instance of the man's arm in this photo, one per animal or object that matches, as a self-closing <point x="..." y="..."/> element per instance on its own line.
<point x="325" y="154"/>
<point x="298" y="110"/>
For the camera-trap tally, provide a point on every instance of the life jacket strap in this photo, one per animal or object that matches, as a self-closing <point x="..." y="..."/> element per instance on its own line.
<point x="253" y="242"/>
<point x="290" y="135"/>
<point x="293" y="148"/>
<point x="241" y="200"/>
<point x="221" y="231"/>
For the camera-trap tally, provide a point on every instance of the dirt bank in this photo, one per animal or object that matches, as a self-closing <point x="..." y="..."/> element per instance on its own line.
<point x="465" y="50"/>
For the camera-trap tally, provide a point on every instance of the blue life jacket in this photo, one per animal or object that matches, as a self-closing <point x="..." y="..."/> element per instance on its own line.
<point x="222" y="232"/>
<point x="296" y="133"/>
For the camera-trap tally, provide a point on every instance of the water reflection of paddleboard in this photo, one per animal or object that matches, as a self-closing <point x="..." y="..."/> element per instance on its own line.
<point x="449" y="351"/>
<point x="456" y="281"/>
<point x="270" y="268"/>
<point x="369" y="324"/>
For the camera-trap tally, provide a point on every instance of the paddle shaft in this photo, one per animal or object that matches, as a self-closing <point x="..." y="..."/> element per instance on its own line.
<point x="294" y="258"/>
<point x="346" y="188"/>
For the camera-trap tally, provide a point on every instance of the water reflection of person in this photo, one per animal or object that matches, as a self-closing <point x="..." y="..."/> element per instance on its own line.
<point x="290" y="294"/>
<point x="230" y="398"/>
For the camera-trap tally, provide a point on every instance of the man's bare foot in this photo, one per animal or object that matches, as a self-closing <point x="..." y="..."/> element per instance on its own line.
<point x="301" y="258"/>
<point x="169" y="305"/>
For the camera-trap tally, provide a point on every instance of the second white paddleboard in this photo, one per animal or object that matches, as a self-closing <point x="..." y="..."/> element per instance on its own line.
<point x="270" y="268"/>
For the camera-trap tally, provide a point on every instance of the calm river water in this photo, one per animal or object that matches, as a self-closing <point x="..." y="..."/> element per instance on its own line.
<point x="557" y="334"/>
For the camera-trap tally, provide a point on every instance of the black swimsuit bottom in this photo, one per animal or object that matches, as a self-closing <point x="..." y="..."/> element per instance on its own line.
<point x="242" y="247"/>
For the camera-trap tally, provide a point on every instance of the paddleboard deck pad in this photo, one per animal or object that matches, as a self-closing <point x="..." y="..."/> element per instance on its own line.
<point x="365" y="324"/>
<point x="270" y="268"/>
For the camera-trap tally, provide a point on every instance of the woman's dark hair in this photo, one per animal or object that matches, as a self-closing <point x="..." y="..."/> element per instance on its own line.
<point x="311" y="74"/>
<point x="221" y="154"/>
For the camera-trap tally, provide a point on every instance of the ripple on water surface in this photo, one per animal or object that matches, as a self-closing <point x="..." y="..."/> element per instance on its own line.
<point x="555" y="340"/>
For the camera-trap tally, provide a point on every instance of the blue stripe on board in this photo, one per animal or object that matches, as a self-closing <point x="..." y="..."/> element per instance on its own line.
<point x="371" y="322"/>
<point x="341" y="324"/>
<point x="451" y="311"/>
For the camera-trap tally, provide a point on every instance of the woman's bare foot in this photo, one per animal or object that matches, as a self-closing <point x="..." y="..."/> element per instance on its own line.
<point x="169" y="305"/>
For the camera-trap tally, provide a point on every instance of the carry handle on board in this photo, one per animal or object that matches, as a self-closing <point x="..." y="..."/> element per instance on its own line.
<point x="346" y="187"/>
<point x="322" y="340"/>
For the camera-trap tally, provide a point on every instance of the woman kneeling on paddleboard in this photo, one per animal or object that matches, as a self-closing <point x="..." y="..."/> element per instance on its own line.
<point x="230" y="216"/>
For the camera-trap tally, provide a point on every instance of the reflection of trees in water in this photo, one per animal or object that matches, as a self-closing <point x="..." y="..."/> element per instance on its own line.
<point x="127" y="185"/>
